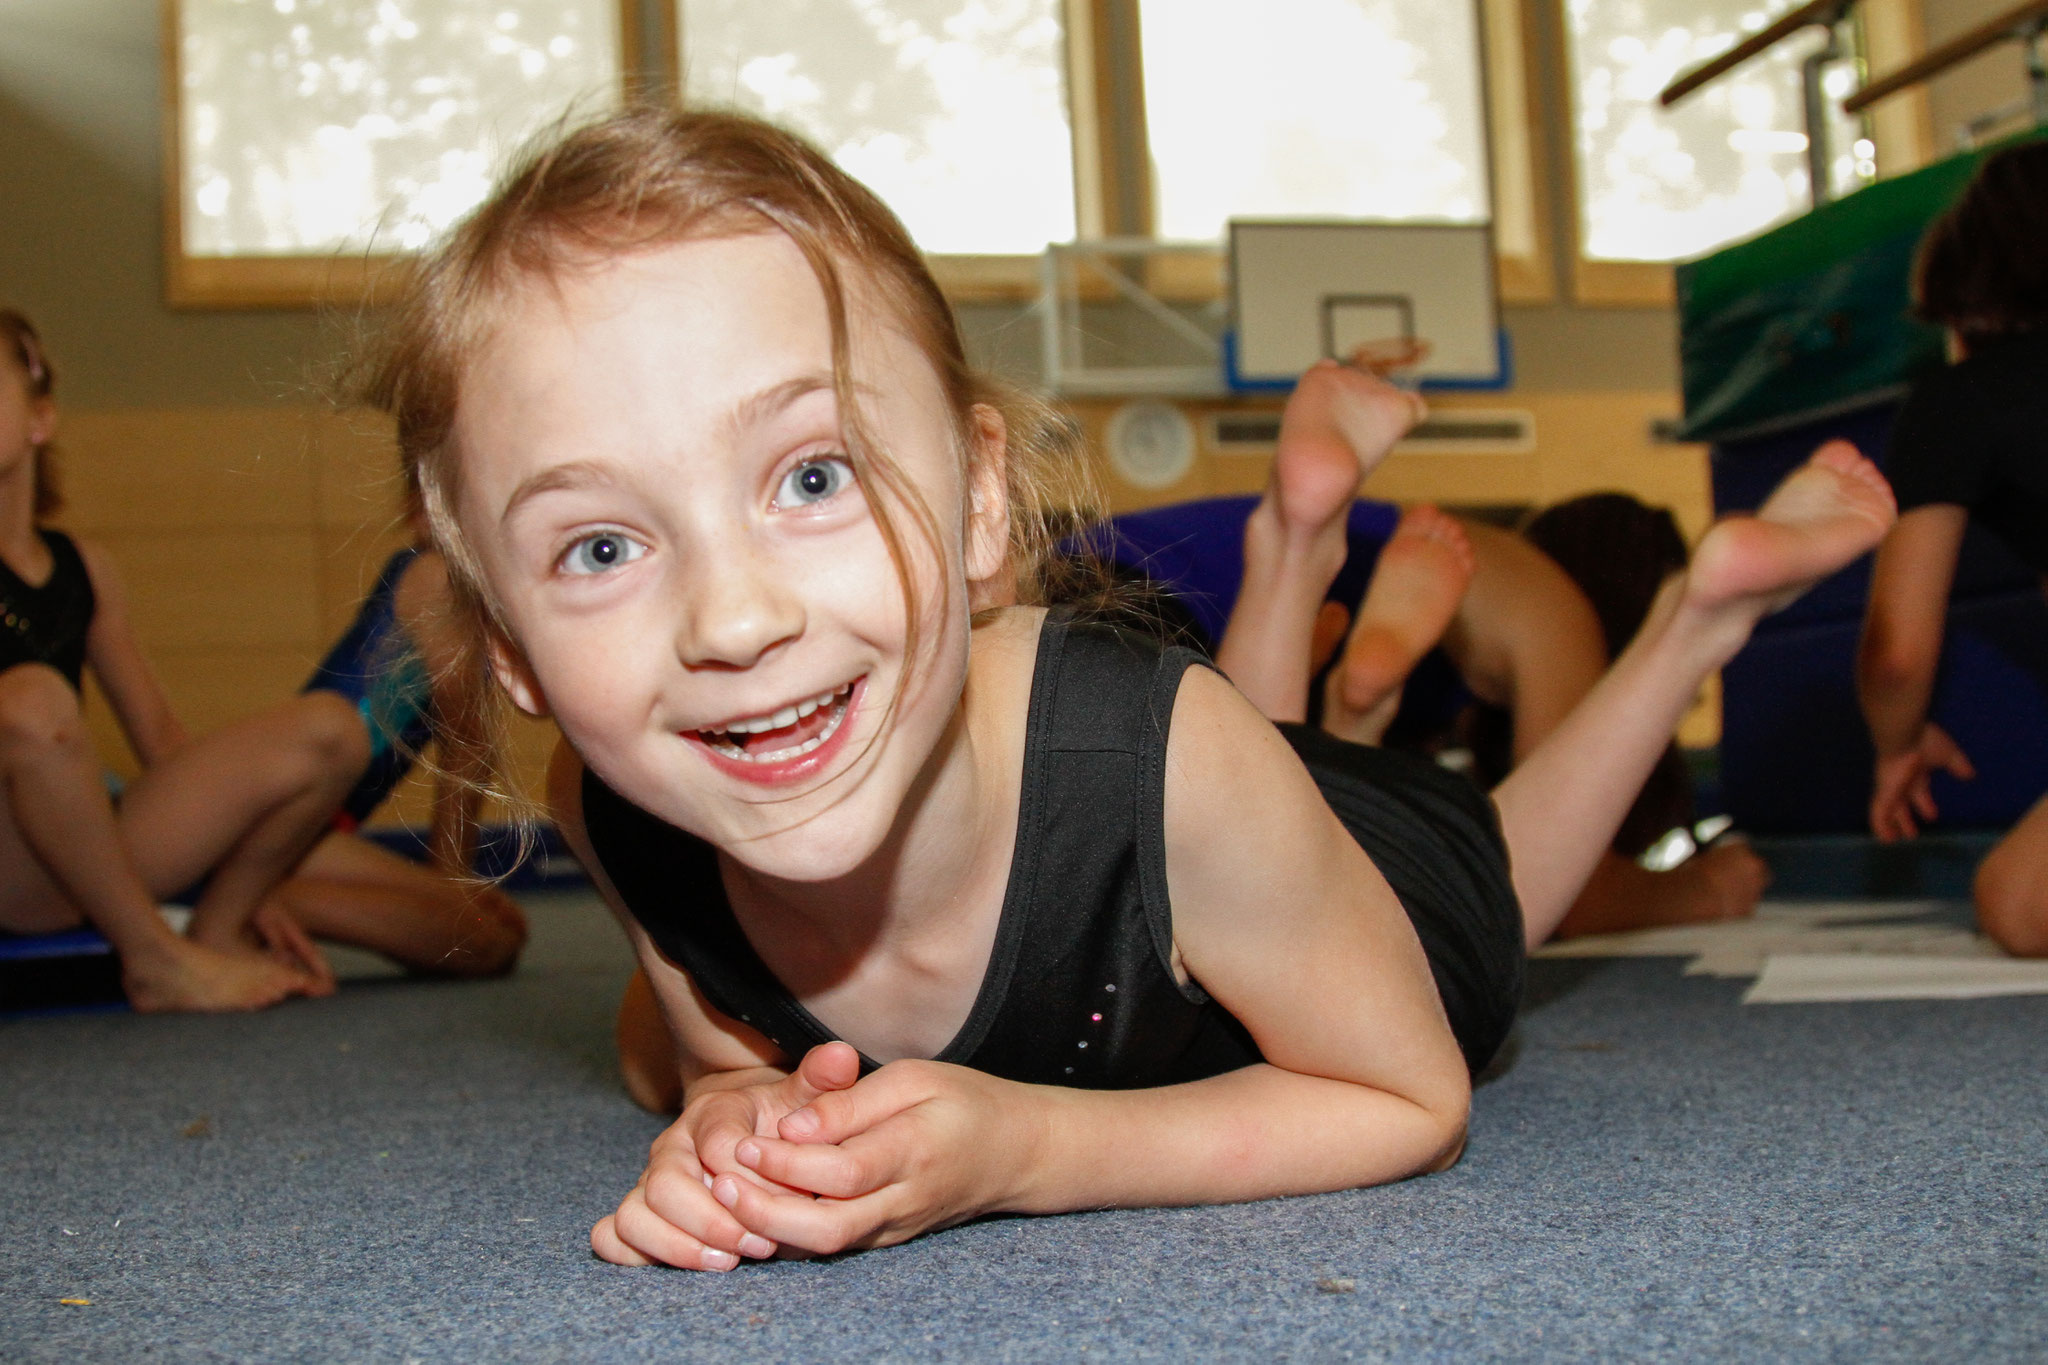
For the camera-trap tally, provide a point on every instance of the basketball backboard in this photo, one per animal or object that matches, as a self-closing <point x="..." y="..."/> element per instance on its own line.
<point x="1306" y="290"/>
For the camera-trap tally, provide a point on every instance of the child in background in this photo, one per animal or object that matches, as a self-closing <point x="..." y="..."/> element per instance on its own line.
<point x="955" y="907"/>
<point x="1501" y="641"/>
<point x="1970" y="445"/>
<point x="371" y="707"/>
<point x="66" y="854"/>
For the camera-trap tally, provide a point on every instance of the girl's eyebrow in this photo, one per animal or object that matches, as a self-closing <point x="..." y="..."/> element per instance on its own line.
<point x="758" y="407"/>
<point x="752" y="410"/>
<point x="573" y="474"/>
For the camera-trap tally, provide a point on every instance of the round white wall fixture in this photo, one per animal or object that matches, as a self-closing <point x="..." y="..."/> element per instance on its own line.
<point x="1151" y="444"/>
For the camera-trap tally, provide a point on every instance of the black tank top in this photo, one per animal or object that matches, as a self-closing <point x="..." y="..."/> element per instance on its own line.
<point x="47" y="625"/>
<point x="1079" y="990"/>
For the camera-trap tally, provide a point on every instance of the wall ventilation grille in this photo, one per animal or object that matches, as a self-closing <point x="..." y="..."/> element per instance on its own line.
<point x="1492" y="432"/>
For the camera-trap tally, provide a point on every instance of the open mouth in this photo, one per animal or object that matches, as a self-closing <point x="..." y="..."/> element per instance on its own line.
<point x="781" y="736"/>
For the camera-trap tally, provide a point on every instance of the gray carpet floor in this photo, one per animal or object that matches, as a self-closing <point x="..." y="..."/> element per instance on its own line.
<point x="409" y="1171"/>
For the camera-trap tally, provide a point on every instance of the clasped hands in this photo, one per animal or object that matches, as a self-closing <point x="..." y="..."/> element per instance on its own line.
<point x="823" y="1160"/>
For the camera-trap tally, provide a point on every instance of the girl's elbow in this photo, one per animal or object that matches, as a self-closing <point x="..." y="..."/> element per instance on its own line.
<point x="1450" y="1114"/>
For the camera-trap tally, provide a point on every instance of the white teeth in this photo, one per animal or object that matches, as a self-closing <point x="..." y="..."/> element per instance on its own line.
<point x="787" y="716"/>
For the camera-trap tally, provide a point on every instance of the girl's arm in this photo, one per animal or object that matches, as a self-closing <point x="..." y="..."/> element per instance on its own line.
<point x="1284" y="920"/>
<point x="737" y="1082"/>
<point x="1905" y="621"/>
<point x="118" y="662"/>
<point x="1898" y="659"/>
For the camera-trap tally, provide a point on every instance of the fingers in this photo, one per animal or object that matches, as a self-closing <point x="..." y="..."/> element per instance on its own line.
<point x="846" y="1113"/>
<point x="299" y="948"/>
<point x="826" y="1068"/>
<point x="845" y="1170"/>
<point x="819" y="1226"/>
<point x="670" y="1218"/>
<point x="1922" y="798"/>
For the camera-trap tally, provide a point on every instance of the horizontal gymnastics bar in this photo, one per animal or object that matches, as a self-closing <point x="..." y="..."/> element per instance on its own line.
<point x="2019" y="23"/>
<point x="1824" y="13"/>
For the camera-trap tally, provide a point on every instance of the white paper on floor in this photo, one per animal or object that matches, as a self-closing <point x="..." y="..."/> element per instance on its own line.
<point x="1796" y="978"/>
<point x="1869" y="951"/>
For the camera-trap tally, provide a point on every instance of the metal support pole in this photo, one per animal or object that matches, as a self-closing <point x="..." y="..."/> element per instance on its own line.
<point x="1819" y="157"/>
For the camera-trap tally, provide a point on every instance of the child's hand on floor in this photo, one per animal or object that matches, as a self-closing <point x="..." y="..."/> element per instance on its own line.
<point x="915" y="1146"/>
<point x="278" y="934"/>
<point x="1902" y="793"/>
<point x="670" y="1216"/>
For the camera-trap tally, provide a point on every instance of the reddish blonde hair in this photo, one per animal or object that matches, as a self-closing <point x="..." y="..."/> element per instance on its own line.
<point x="22" y="343"/>
<point x="649" y="177"/>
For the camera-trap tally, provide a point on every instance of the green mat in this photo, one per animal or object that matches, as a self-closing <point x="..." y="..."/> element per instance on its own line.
<point x="1811" y="318"/>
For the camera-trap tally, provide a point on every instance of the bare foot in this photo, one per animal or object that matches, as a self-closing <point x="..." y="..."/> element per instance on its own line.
<point x="193" y="977"/>
<point x="1333" y="622"/>
<point x="1415" y="590"/>
<point x="1339" y="424"/>
<point x="1827" y="512"/>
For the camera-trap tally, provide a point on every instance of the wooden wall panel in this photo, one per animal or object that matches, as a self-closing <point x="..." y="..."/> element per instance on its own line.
<point x="247" y="536"/>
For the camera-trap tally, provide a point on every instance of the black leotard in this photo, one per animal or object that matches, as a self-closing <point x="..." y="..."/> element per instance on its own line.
<point x="48" y="625"/>
<point x="1079" y="988"/>
<point x="1975" y="434"/>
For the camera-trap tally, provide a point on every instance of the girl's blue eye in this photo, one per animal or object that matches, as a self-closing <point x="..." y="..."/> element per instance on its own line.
<point x="814" y="481"/>
<point x="600" y="553"/>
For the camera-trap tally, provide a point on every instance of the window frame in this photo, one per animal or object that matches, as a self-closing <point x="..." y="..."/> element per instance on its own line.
<point x="1112" y="159"/>
<point x="1112" y="173"/>
<point x="1894" y="33"/>
<point x="289" y="279"/>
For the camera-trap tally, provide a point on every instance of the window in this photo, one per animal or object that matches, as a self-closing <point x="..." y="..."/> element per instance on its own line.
<point x="953" y="111"/>
<point x="312" y="135"/>
<point x="1338" y="108"/>
<point x="1656" y="185"/>
<point x="316" y="138"/>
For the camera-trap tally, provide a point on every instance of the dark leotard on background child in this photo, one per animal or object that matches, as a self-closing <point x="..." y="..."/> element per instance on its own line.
<point x="381" y="672"/>
<point x="67" y="857"/>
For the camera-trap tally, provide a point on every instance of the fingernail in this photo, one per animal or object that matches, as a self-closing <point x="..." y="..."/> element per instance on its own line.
<point x="758" y="1247"/>
<point x="714" y="1259"/>
<point x="748" y="1152"/>
<point x="726" y="1191"/>
<point x="802" y="1123"/>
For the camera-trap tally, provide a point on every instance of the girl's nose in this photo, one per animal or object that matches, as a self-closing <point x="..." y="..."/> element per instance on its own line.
<point x="736" y="610"/>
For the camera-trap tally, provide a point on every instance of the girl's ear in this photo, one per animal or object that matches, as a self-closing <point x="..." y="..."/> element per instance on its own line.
<point x="509" y="667"/>
<point x="988" y="498"/>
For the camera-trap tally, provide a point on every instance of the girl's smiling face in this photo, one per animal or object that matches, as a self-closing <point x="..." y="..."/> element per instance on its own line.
<point x="656" y="487"/>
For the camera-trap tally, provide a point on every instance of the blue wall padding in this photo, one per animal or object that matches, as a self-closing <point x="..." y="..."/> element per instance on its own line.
<point x="1197" y="550"/>
<point x="1795" y="757"/>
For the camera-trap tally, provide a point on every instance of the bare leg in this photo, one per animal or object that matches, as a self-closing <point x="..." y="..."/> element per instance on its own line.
<point x="1559" y="809"/>
<point x="352" y="891"/>
<point x="62" y="860"/>
<point x="1415" y="591"/>
<point x="243" y="805"/>
<point x="2012" y="887"/>
<point x="1722" y="882"/>
<point x="1339" y="424"/>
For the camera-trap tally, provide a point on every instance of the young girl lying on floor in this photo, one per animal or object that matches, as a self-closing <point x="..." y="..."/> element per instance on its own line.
<point x="956" y="907"/>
